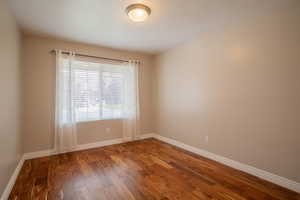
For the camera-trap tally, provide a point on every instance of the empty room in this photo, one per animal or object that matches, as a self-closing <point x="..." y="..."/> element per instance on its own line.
<point x="150" y="100"/>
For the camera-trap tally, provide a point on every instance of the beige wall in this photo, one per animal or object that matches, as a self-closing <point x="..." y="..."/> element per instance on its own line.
<point x="10" y="137"/>
<point x="39" y="82"/>
<point x="239" y="85"/>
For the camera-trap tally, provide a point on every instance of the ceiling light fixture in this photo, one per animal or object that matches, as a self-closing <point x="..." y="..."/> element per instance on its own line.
<point x="138" y="12"/>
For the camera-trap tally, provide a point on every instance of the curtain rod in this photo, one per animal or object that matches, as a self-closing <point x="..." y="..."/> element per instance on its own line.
<point x="90" y="56"/>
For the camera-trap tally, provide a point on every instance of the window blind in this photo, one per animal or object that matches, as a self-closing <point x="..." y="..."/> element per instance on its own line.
<point x="97" y="90"/>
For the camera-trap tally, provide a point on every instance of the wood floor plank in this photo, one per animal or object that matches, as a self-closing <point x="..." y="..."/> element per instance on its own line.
<point x="142" y="170"/>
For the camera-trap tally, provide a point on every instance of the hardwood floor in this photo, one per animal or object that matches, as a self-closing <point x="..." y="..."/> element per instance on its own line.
<point x="146" y="169"/>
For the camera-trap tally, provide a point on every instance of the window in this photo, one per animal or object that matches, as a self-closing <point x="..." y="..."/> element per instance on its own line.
<point x="98" y="90"/>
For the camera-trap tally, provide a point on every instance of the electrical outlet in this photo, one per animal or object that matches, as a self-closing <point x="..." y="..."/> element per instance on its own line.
<point x="107" y="130"/>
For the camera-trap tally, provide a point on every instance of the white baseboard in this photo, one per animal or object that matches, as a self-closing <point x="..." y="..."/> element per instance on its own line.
<point x="12" y="180"/>
<point x="110" y="142"/>
<point x="79" y="147"/>
<point x="38" y="154"/>
<point x="49" y="152"/>
<point x="146" y="136"/>
<point x="99" y="144"/>
<point x="284" y="182"/>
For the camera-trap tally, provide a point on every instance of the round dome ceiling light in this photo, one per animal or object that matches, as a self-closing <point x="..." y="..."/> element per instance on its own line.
<point x="138" y="12"/>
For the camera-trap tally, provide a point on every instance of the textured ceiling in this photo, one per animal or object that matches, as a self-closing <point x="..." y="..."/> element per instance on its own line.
<point x="104" y="22"/>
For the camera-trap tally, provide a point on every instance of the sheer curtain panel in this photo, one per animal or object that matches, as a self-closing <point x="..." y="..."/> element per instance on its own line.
<point x="131" y="104"/>
<point x="65" y="118"/>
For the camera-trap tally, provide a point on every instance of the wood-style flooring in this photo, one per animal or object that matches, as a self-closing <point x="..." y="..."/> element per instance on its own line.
<point x="147" y="169"/>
